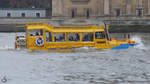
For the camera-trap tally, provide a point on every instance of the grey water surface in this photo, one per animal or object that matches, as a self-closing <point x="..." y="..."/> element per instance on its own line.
<point x="130" y="66"/>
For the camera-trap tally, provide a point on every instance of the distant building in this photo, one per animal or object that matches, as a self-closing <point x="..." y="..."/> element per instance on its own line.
<point x="23" y="12"/>
<point x="101" y="9"/>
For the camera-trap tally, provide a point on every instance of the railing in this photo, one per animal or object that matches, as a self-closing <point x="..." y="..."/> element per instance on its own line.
<point x="129" y="22"/>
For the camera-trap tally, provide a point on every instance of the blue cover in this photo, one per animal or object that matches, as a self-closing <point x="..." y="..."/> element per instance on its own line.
<point x="123" y="46"/>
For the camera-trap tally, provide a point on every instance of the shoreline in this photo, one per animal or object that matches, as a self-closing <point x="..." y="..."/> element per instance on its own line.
<point x="113" y="28"/>
<point x="130" y="28"/>
<point x="116" y="26"/>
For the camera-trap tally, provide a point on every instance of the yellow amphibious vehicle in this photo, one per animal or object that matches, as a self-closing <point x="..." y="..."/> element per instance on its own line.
<point x="41" y="36"/>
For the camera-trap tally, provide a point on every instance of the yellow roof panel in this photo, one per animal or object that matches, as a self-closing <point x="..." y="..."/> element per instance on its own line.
<point x="36" y="27"/>
<point x="76" y="30"/>
<point x="83" y="28"/>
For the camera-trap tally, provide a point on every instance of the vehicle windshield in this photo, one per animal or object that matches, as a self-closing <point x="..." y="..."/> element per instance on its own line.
<point x="36" y="32"/>
<point x="99" y="35"/>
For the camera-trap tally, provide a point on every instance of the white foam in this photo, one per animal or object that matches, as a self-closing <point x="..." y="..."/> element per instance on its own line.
<point x="138" y="41"/>
<point x="5" y="47"/>
<point x="85" y="49"/>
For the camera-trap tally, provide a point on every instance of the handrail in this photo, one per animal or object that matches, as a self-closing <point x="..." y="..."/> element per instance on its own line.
<point x="36" y="23"/>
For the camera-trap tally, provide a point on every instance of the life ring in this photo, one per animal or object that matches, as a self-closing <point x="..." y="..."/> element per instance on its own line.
<point x="39" y="41"/>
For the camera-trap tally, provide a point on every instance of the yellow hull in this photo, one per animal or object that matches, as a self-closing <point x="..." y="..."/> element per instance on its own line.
<point x="70" y="46"/>
<point x="40" y="36"/>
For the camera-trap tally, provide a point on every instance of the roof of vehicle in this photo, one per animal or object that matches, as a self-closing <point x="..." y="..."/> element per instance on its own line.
<point x="66" y="28"/>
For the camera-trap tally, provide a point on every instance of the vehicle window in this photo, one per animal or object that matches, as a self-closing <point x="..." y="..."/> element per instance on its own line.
<point x="36" y="32"/>
<point x="59" y="37"/>
<point x="48" y="36"/>
<point x="99" y="35"/>
<point x="74" y="37"/>
<point x="87" y="37"/>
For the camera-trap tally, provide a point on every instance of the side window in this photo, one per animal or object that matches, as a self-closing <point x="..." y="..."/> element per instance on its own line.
<point x="37" y="14"/>
<point x="118" y="13"/>
<point x="59" y="37"/>
<point x="99" y="35"/>
<point x="36" y="32"/>
<point x="8" y="14"/>
<point x="73" y="13"/>
<point x="87" y="37"/>
<point x="74" y="37"/>
<point x="139" y="13"/>
<point x="23" y="14"/>
<point x="48" y="36"/>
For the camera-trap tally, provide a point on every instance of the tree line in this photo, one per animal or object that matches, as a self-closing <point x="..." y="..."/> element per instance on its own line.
<point x="25" y="3"/>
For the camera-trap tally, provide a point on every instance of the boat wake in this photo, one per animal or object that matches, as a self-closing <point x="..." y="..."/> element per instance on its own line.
<point x="7" y="47"/>
<point x="87" y="49"/>
<point x="140" y="44"/>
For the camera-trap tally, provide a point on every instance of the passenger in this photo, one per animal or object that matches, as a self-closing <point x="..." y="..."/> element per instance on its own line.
<point x="62" y="38"/>
<point x="31" y="34"/>
<point x="85" y="38"/>
<point x="71" y="38"/>
<point x="47" y="39"/>
<point x="91" y="37"/>
<point x="55" y="39"/>
<point x="37" y="34"/>
<point x="77" y="37"/>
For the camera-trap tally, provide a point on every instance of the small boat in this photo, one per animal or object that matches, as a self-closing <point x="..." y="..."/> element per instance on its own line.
<point x="41" y="36"/>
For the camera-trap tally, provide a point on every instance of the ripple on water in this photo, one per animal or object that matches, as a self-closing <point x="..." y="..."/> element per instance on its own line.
<point x="84" y="66"/>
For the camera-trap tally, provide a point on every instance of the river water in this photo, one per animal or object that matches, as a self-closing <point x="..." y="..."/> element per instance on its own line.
<point x="130" y="66"/>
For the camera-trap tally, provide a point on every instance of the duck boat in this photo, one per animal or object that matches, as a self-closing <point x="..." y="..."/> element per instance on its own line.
<point x="41" y="36"/>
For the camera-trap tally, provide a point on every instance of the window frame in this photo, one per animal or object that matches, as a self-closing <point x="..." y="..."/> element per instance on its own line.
<point x="118" y="13"/>
<point x="139" y="13"/>
<point x="38" y="15"/>
<point x="50" y="35"/>
<point x="74" y="33"/>
<point x="23" y="14"/>
<point x="104" y="36"/>
<point x="41" y="32"/>
<point x="59" y="33"/>
<point x="8" y="14"/>
<point x="90" y="36"/>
